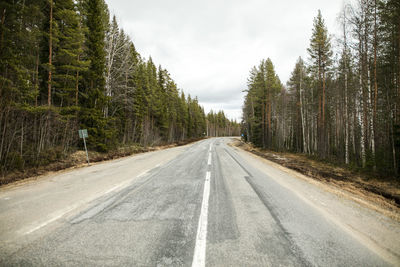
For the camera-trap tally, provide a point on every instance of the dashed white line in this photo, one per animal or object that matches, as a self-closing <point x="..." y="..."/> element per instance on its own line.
<point x="199" y="257"/>
<point x="210" y="147"/>
<point x="209" y="159"/>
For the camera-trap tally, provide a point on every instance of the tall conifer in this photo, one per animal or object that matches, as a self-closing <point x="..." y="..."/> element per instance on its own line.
<point x="320" y="53"/>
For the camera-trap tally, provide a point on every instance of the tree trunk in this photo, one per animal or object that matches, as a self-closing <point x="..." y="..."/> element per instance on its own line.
<point x="361" y="102"/>
<point x="50" y="54"/>
<point x="269" y="134"/>
<point x="346" y="102"/>
<point x="375" y="86"/>
<point x="263" y="123"/>
<point x="77" y="88"/>
<point x="398" y="95"/>
<point x="324" y="135"/>
<point x="346" y="146"/>
<point x="3" y="18"/>
<point x="302" y="112"/>
<point x="361" y="116"/>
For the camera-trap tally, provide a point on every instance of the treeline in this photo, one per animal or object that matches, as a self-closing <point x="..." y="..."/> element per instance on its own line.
<point x="219" y="125"/>
<point x="342" y="107"/>
<point x="65" y="65"/>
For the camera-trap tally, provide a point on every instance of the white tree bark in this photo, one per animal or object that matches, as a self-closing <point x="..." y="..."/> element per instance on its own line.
<point x="118" y="66"/>
<point x="302" y="111"/>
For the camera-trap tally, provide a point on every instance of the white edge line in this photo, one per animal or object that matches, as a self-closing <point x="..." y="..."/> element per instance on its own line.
<point x="142" y="173"/>
<point x="65" y="211"/>
<point x="62" y="213"/>
<point x="123" y="184"/>
<point x="199" y="257"/>
<point x="118" y="186"/>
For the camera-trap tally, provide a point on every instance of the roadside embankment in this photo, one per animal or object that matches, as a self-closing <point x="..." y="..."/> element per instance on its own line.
<point x="379" y="193"/>
<point x="77" y="159"/>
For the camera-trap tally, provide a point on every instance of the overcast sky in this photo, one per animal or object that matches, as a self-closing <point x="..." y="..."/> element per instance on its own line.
<point x="209" y="46"/>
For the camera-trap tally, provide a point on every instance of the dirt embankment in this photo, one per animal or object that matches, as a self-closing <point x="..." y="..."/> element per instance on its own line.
<point x="78" y="159"/>
<point x="385" y="192"/>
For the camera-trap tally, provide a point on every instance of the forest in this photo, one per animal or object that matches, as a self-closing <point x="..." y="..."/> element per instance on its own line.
<point x="67" y="65"/>
<point x="342" y="103"/>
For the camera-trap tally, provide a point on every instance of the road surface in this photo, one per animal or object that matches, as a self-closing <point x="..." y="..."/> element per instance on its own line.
<point x="204" y="204"/>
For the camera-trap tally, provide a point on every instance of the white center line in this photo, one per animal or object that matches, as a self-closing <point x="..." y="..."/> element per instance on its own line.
<point x="209" y="159"/>
<point x="210" y="147"/>
<point x="199" y="257"/>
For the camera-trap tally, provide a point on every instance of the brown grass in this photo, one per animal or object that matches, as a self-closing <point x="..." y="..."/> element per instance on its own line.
<point x="368" y="189"/>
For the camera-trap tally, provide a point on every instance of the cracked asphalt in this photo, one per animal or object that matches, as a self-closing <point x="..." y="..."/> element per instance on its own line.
<point x="144" y="210"/>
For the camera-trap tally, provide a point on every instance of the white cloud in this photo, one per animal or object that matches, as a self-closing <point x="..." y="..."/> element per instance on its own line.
<point x="209" y="46"/>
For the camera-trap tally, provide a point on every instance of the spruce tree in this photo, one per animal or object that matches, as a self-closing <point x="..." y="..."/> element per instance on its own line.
<point x="92" y="112"/>
<point x="68" y="61"/>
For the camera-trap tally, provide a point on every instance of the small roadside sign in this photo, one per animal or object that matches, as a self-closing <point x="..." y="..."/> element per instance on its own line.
<point x="84" y="134"/>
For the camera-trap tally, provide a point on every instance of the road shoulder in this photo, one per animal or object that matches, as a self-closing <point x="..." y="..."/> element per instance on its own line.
<point x="368" y="222"/>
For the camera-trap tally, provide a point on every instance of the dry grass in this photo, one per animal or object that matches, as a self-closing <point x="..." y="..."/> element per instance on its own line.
<point x="377" y="193"/>
<point x="78" y="159"/>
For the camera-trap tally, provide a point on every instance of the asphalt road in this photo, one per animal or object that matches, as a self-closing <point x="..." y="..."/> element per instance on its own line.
<point x="202" y="204"/>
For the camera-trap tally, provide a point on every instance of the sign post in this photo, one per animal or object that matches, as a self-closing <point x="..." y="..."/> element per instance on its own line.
<point x="84" y="134"/>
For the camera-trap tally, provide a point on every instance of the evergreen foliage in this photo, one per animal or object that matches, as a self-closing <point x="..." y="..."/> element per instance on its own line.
<point x="345" y="110"/>
<point x="98" y="82"/>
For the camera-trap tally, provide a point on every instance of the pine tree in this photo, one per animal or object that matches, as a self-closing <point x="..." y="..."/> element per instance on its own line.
<point x="320" y="53"/>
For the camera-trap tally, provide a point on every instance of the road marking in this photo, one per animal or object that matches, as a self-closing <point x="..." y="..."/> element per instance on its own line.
<point x="118" y="186"/>
<point x="209" y="159"/>
<point x="142" y="173"/>
<point x="58" y="216"/>
<point x="199" y="257"/>
<point x="65" y="211"/>
<point x="123" y="184"/>
<point x="210" y="147"/>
